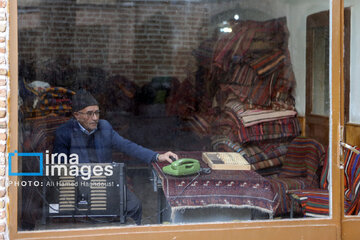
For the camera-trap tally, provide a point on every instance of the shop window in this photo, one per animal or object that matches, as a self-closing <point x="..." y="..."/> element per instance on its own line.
<point x="182" y="76"/>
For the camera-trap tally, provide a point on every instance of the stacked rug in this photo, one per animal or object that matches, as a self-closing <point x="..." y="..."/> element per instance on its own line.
<point x="40" y="99"/>
<point x="242" y="97"/>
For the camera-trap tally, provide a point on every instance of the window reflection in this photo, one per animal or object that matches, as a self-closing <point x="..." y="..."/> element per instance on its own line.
<point x="321" y="71"/>
<point x="190" y="77"/>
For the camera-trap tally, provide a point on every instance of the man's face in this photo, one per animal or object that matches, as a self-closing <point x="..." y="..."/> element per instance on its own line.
<point x="88" y="117"/>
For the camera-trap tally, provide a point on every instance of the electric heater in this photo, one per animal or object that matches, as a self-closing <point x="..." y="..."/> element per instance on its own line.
<point x="88" y="194"/>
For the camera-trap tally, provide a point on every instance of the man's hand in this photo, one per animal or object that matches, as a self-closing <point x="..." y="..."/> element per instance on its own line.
<point x="166" y="157"/>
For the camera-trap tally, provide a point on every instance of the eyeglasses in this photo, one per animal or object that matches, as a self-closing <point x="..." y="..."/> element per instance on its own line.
<point x="89" y="114"/>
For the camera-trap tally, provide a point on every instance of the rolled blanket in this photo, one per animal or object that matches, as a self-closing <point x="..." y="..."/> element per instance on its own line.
<point x="252" y="117"/>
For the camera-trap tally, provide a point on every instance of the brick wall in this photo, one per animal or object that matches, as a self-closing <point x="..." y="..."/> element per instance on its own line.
<point x="4" y="89"/>
<point x="138" y="40"/>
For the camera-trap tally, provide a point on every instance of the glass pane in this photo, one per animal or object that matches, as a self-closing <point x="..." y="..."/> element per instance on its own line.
<point x="354" y="72"/>
<point x="210" y="80"/>
<point x="320" y="88"/>
<point x="351" y="73"/>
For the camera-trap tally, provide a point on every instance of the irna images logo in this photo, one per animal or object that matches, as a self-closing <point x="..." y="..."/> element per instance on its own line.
<point x="38" y="155"/>
<point x="60" y="165"/>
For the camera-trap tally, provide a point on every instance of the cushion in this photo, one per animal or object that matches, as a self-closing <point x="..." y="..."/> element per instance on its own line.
<point x="313" y="202"/>
<point x="303" y="158"/>
<point x="282" y="186"/>
<point x="352" y="181"/>
<point x="268" y="163"/>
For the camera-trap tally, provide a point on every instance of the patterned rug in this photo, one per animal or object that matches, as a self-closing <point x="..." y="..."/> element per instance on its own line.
<point x="232" y="189"/>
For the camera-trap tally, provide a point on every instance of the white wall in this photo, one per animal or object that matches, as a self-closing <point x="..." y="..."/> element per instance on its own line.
<point x="298" y="11"/>
<point x="297" y="14"/>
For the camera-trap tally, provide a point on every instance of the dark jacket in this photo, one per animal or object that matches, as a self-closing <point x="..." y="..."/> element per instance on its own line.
<point x="70" y="139"/>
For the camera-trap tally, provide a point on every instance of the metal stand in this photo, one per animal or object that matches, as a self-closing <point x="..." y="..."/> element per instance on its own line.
<point x="122" y="189"/>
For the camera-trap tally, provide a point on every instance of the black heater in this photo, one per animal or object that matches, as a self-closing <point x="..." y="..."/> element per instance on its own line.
<point x="86" y="195"/>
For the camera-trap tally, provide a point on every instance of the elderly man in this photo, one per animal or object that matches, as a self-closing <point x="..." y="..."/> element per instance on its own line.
<point x="93" y="140"/>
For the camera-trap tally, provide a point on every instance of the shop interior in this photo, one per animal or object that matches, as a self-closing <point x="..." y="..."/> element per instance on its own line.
<point x="185" y="76"/>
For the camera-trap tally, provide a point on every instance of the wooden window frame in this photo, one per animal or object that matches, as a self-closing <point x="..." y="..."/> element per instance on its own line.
<point x="329" y="228"/>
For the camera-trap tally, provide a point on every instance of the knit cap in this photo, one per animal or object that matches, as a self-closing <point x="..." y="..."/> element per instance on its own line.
<point x="82" y="99"/>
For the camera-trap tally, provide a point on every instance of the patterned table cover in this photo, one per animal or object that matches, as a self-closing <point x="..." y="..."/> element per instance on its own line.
<point x="220" y="188"/>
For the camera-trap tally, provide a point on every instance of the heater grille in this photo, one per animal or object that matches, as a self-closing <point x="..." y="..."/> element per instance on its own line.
<point x="98" y="193"/>
<point x="67" y="193"/>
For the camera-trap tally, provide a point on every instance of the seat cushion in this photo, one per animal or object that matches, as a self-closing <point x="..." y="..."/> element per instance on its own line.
<point x="313" y="202"/>
<point x="282" y="185"/>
